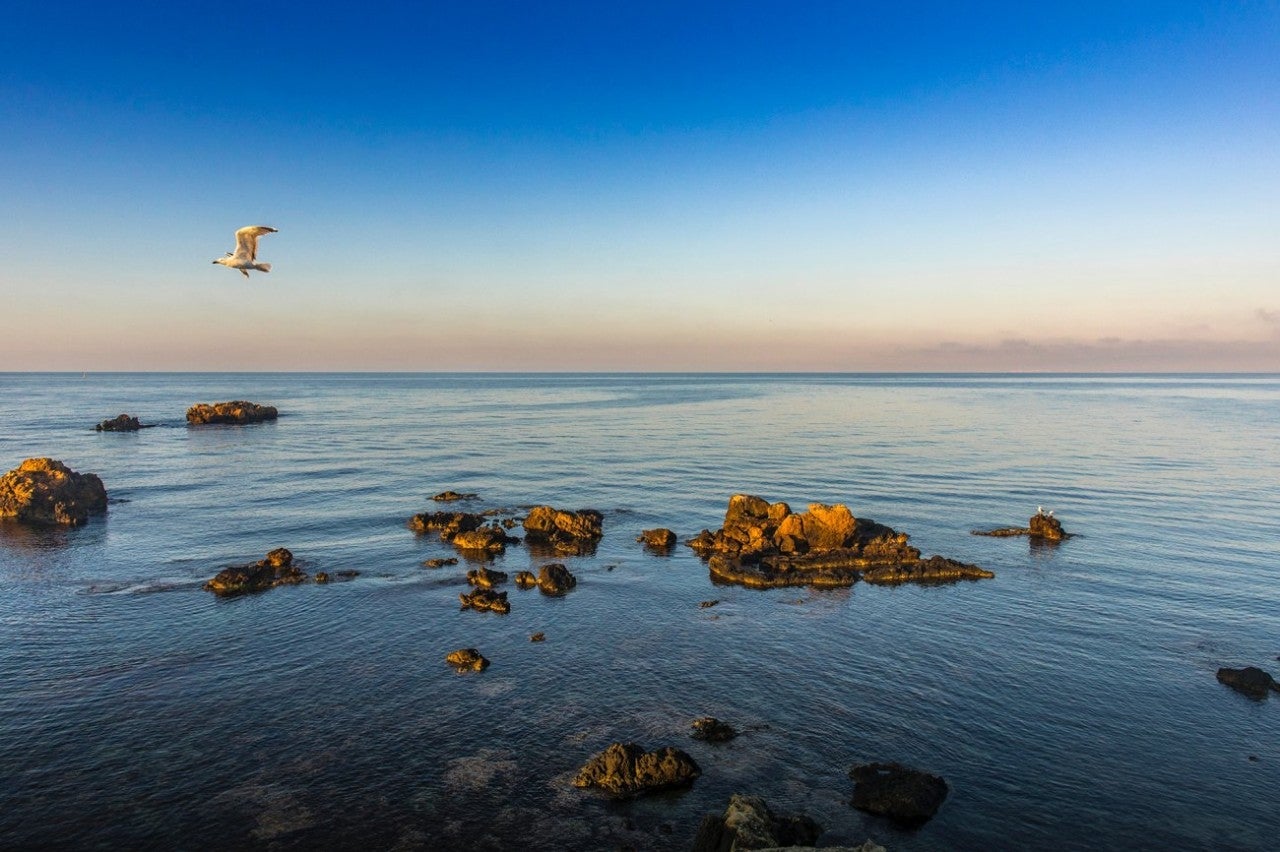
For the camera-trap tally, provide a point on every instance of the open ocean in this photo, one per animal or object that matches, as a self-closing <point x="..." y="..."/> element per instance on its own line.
<point x="1070" y="703"/>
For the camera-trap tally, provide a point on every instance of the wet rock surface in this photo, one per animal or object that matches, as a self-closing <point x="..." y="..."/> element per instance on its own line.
<point x="447" y="524"/>
<point x="712" y="730"/>
<point x="658" y="539"/>
<point x="555" y="580"/>
<point x="626" y="769"/>
<point x="766" y="545"/>
<point x="46" y="491"/>
<point x="440" y="563"/>
<point x="526" y="579"/>
<point x="571" y="533"/>
<point x="749" y="823"/>
<point x="1250" y="681"/>
<point x="236" y="412"/>
<point x="904" y="795"/>
<point x="486" y="578"/>
<point x="486" y="600"/>
<point x="451" y="496"/>
<point x="119" y="423"/>
<point x="276" y="569"/>
<point x="491" y="539"/>
<point x="1042" y="526"/>
<point x="467" y="660"/>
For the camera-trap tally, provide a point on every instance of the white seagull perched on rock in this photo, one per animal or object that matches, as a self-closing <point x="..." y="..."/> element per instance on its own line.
<point x="246" y="254"/>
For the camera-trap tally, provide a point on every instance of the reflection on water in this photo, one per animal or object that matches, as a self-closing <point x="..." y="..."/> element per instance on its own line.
<point x="1074" y="690"/>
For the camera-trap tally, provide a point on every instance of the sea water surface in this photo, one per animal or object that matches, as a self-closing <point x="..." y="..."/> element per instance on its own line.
<point x="1070" y="702"/>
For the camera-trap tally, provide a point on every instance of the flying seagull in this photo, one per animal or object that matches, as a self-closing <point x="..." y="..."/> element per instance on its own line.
<point x="247" y="250"/>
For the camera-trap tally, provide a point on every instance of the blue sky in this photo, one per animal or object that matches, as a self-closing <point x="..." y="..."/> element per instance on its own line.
<point x="788" y="186"/>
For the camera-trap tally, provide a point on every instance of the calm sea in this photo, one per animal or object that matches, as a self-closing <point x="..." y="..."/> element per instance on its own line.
<point x="1070" y="702"/>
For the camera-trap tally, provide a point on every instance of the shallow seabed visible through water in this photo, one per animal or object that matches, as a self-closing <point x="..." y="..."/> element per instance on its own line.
<point x="1070" y="702"/>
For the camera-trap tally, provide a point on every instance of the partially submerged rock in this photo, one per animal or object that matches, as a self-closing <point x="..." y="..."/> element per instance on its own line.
<point x="658" y="539"/>
<point x="486" y="599"/>
<point x="526" y="579"/>
<point x="486" y="578"/>
<point x="439" y="563"/>
<point x="276" y="569"/>
<point x="119" y="423"/>
<point x="491" y="539"/>
<point x="450" y="496"/>
<point x="448" y="524"/>
<point x="712" y="730"/>
<point x="905" y="795"/>
<point x="626" y="769"/>
<point x="46" y="491"/>
<point x="237" y="412"/>
<point x="555" y="579"/>
<point x="538" y="637"/>
<point x="766" y="545"/>
<point x="1251" y="681"/>
<point x="749" y="823"/>
<point x="467" y="659"/>
<point x="1042" y="526"/>
<point x="563" y="531"/>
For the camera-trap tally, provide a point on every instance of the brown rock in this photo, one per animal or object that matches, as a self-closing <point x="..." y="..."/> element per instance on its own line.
<point x="321" y="577"/>
<point x="538" y="637"/>
<point x="45" y="491"/>
<point x="439" y="563"/>
<point x="555" y="579"/>
<point x="450" y="496"/>
<point x="749" y="823"/>
<point x="564" y="531"/>
<point x="659" y="539"/>
<point x="486" y="599"/>
<point x="237" y="412"/>
<point x="276" y="569"/>
<point x="1250" y="681"/>
<point x="449" y="524"/>
<point x="626" y="769"/>
<point x="485" y="578"/>
<point x="905" y="795"/>
<point x="526" y="579"/>
<point x="467" y="659"/>
<point x="488" y="539"/>
<point x="120" y="423"/>
<point x="712" y="730"/>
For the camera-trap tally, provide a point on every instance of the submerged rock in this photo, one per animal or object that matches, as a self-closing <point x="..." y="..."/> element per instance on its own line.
<point x="467" y="659"/>
<point x="749" y="823"/>
<point x="766" y="545"/>
<point x="712" y="730"/>
<point x="905" y="795"/>
<point x="486" y="578"/>
<point x="276" y="569"/>
<point x="1251" y="681"/>
<point x="46" y="491"/>
<point x="120" y="423"/>
<point x="486" y="599"/>
<point x="626" y="769"/>
<point x="439" y="563"/>
<point x="659" y="539"/>
<point x="321" y="577"/>
<point x="1042" y="526"/>
<point x="555" y="579"/>
<point x="235" y="412"/>
<point x="563" y="531"/>
<point x="450" y="496"/>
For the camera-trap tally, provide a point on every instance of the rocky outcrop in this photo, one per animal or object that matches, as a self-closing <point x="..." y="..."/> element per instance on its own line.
<point x="467" y="660"/>
<point x="570" y="533"/>
<point x="120" y="423"/>
<point x="626" y="769"/>
<point x="658" y="539"/>
<point x="765" y="545"/>
<point x="486" y="600"/>
<point x="486" y="578"/>
<point x="491" y="539"/>
<point x="1042" y="526"/>
<point x="749" y="823"/>
<point x="450" y="496"/>
<point x="712" y="730"/>
<point x="46" y="491"/>
<point x="237" y="412"/>
<point x="276" y="569"/>
<point x="907" y="796"/>
<point x="1250" y="681"/>
<point x="555" y="579"/>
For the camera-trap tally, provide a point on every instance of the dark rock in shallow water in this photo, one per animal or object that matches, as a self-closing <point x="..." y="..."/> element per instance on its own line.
<point x="46" y="491"/>
<point x="486" y="599"/>
<point x="749" y="823"/>
<point x="712" y="730"/>
<point x="526" y="579"/>
<point x="571" y="533"/>
<point x="764" y="545"/>
<point x="277" y="569"/>
<point x="1042" y="526"/>
<point x="555" y="579"/>
<point x="626" y="769"/>
<point x="708" y="604"/>
<point x="907" y="796"/>
<point x="450" y="496"/>
<point x="439" y="563"/>
<point x="1253" y="682"/>
<point x="448" y="524"/>
<point x="467" y="659"/>
<point x="120" y="423"/>
<point x="237" y="412"/>
<point x="538" y="637"/>
<point x="659" y="539"/>
<point x="485" y="578"/>
<point x="487" y="539"/>
<point x="321" y="577"/>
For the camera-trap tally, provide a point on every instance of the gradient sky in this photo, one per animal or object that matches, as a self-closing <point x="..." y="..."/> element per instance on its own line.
<point x="642" y="186"/>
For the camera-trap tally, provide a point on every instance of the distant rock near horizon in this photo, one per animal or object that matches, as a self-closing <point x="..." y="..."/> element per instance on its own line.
<point x="46" y="491"/>
<point x="119" y="423"/>
<point x="236" y="412"/>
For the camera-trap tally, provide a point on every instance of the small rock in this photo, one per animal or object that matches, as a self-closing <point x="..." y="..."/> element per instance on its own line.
<point x="749" y="823"/>
<point x="563" y="531"/>
<point x="487" y="539"/>
<point x="348" y="574"/>
<point x="555" y="579"/>
<point x="708" y="604"/>
<point x="440" y="563"/>
<point x="276" y="569"/>
<point x="486" y="599"/>
<point x="659" y="539"/>
<point x="450" y="496"/>
<point x="905" y="795"/>
<point x="712" y="730"/>
<point x="321" y="577"/>
<point x="626" y="769"/>
<point x="120" y="423"/>
<point x="538" y="637"/>
<point x="449" y="524"/>
<point x="526" y="579"/>
<point x="467" y="659"/>
<point x="238" y="412"/>
<point x="485" y="578"/>
<point x="1251" y="681"/>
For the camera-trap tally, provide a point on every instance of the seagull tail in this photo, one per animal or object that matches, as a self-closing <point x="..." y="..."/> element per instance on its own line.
<point x="262" y="267"/>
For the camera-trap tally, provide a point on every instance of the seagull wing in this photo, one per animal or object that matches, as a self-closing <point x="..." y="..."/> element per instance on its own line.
<point x="247" y="240"/>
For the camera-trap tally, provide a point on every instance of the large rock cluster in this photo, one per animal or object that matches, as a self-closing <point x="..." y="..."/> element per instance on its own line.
<point x="764" y="545"/>
<point x="46" y="491"/>
<point x="572" y="533"/>
<point x="276" y="569"/>
<point x="467" y="531"/>
<point x="237" y="412"/>
<point x="626" y="769"/>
